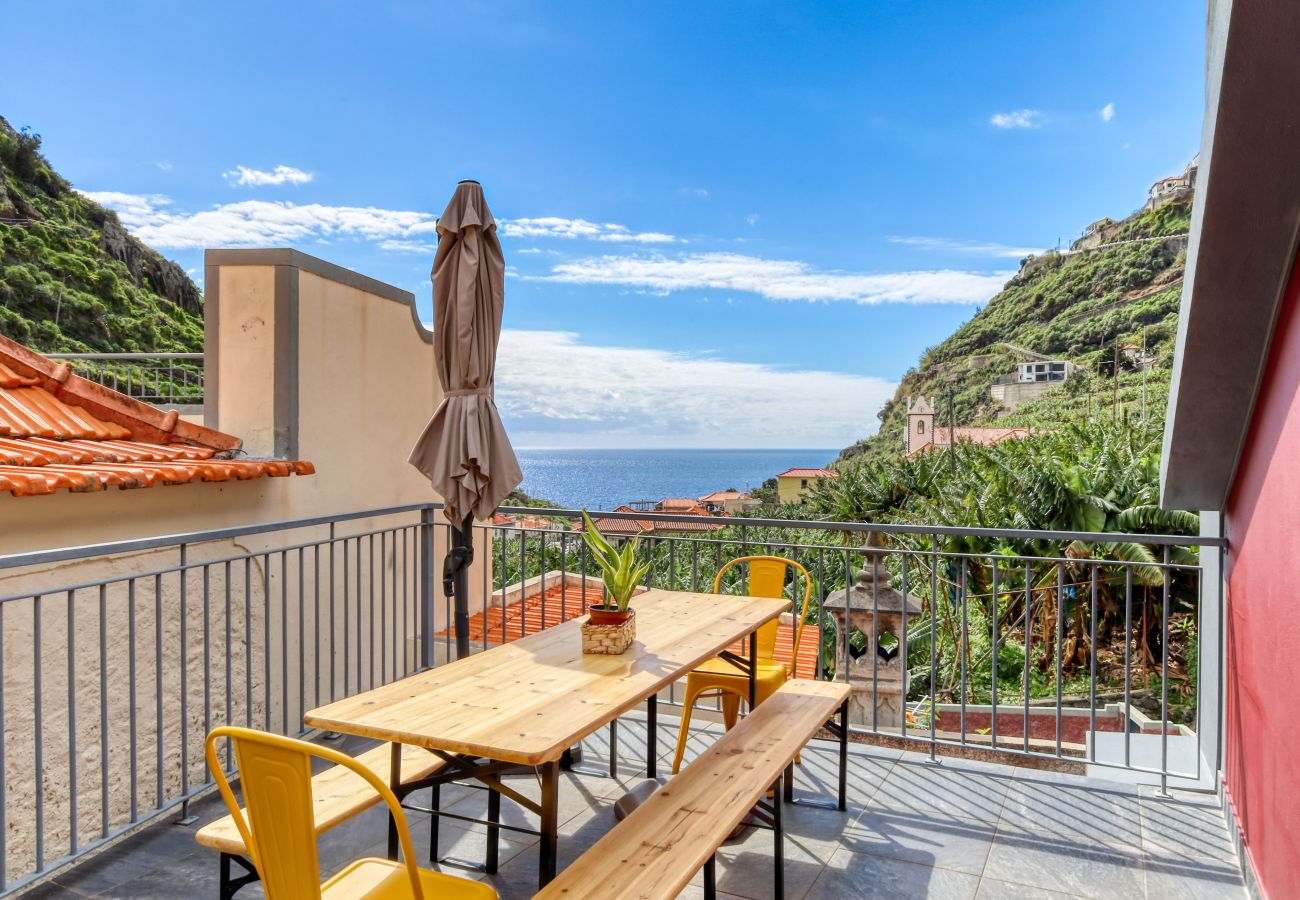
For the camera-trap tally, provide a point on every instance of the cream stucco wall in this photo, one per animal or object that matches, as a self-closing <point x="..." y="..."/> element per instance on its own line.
<point x="300" y="355"/>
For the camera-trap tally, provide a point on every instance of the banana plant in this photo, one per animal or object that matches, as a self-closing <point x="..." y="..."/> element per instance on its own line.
<point x="618" y="568"/>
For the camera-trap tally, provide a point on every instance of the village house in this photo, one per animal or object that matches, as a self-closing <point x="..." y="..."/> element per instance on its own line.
<point x="793" y="485"/>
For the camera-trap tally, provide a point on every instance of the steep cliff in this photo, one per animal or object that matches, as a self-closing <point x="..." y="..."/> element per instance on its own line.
<point x="1085" y="307"/>
<point x="72" y="278"/>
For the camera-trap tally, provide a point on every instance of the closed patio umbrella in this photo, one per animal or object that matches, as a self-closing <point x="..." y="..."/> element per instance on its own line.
<point x="464" y="449"/>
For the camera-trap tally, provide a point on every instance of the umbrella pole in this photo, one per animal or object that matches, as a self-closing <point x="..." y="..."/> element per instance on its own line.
<point x="462" y="539"/>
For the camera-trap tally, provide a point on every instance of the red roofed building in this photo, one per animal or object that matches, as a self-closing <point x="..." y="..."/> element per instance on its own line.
<point x="59" y="431"/>
<point x="922" y="434"/>
<point x="612" y="525"/>
<point x="792" y="485"/>
<point x="728" y="502"/>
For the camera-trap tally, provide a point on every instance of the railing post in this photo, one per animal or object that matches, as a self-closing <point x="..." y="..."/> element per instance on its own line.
<point x="426" y="587"/>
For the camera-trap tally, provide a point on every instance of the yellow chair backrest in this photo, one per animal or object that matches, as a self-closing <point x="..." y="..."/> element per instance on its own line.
<point x="767" y="579"/>
<point x="280" y="830"/>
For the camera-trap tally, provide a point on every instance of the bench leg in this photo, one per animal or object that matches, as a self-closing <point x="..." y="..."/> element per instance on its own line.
<point x="549" y="828"/>
<point x="788" y="783"/>
<point x="844" y="756"/>
<point x="229" y="886"/>
<point x="711" y="878"/>
<point x="493" y="833"/>
<point x="778" y="849"/>
<point x="226" y="892"/>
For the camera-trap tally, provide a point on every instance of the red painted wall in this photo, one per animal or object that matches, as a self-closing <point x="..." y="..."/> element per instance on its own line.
<point x="1261" y="759"/>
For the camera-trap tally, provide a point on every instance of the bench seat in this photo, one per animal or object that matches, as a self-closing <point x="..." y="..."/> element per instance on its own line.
<point x="337" y="794"/>
<point x="658" y="848"/>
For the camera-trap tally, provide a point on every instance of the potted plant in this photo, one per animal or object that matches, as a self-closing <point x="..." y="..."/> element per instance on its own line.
<point x="611" y="626"/>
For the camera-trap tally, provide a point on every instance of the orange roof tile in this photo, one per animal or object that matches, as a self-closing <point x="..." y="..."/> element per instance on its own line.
<point x="808" y="473"/>
<point x="719" y="496"/>
<point x="676" y="503"/>
<point x="563" y="602"/>
<point x="942" y="437"/>
<point x="60" y="431"/>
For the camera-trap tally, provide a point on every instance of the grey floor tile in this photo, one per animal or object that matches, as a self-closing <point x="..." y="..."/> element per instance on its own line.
<point x="992" y="889"/>
<point x="852" y="875"/>
<point x="1073" y="807"/>
<point x="1180" y="828"/>
<point x="1055" y="863"/>
<point x="944" y="788"/>
<point x="927" y="839"/>
<point x="747" y="868"/>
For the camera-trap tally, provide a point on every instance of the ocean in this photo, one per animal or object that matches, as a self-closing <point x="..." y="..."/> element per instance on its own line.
<point x="604" y="479"/>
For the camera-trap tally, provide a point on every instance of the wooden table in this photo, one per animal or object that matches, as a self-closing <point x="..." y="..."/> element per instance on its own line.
<point x="525" y="703"/>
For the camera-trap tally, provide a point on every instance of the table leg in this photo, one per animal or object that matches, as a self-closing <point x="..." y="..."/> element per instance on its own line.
<point x="789" y="783"/>
<point x="394" y="782"/>
<point x="753" y="670"/>
<point x="711" y="878"/>
<point x="493" y="833"/>
<point x="844" y="755"/>
<point x="549" y="828"/>
<point x="651" y="737"/>
<point x="613" y="749"/>
<point x="435" y="800"/>
<point x="778" y="849"/>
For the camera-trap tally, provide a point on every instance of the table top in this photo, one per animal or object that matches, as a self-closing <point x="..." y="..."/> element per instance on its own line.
<point x="530" y="700"/>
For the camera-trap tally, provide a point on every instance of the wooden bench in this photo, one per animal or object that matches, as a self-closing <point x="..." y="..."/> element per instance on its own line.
<point x="337" y="795"/>
<point x="659" y="847"/>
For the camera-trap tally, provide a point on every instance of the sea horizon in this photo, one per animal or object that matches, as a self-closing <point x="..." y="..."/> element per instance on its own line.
<point x="604" y="479"/>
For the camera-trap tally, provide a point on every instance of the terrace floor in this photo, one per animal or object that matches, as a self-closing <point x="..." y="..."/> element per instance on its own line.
<point x="913" y="829"/>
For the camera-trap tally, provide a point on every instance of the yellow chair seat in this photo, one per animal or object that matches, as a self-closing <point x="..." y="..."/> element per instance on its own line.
<point x="384" y="879"/>
<point x="728" y="680"/>
<point x="719" y="668"/>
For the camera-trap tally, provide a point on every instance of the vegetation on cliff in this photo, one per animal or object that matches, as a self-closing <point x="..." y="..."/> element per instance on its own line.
<point x="1081" y="306"/>
<point x="71" y="278"/>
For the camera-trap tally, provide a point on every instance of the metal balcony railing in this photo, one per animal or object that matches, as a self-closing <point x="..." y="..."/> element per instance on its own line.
<point x="170" y="378"/>
<point x="116" y="659"/>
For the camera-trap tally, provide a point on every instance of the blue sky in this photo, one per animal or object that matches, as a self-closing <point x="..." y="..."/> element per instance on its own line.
<point x="727" y="224"/>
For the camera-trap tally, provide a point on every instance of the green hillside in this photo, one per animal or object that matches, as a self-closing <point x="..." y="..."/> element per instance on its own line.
<point x="71" y="278"/>
<point x="1078" y="306"/>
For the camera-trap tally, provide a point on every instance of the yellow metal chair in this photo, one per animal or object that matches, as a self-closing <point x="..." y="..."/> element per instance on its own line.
<point x="718" y="677"/>
<point x="280" y="832"/>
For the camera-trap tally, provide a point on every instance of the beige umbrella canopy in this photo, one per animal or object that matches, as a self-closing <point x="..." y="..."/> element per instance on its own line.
<point x="464" y="449"/>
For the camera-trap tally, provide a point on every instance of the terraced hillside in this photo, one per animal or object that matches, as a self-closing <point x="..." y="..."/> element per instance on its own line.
<point x="1082" y="306"/>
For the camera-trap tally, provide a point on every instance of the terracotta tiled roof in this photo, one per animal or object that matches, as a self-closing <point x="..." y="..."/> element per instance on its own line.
<point x="60" y="431"/>
<point x="720" y="496"/>
<point x="610" y="525"/>
<point x="676" y="503"/>
<point x="942" y="437"/>
<point x="561" y="603"/>
<point x="808" y="473"/>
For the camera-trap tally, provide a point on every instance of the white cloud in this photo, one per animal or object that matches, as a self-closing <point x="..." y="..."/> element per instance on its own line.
<point x="776" y="279"/>
<point x="242" y="175"/>
<point x="974" y="248"/>
<point x="164" y="166"/>
<point x="401" y="246"/>
<point x="133" y="209"/>
<point x="1107" y="112"/>
<point x="263" y="223"/>
<point x="640" y="397"/>
<point x="1019" y="118"/>
<point x="700" y="192"/>
<point x="557" y="227"/>
<point x="752" y="219"/>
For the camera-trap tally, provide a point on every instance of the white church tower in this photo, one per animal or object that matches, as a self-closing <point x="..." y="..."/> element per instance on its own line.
<point x="920" y="424"/>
